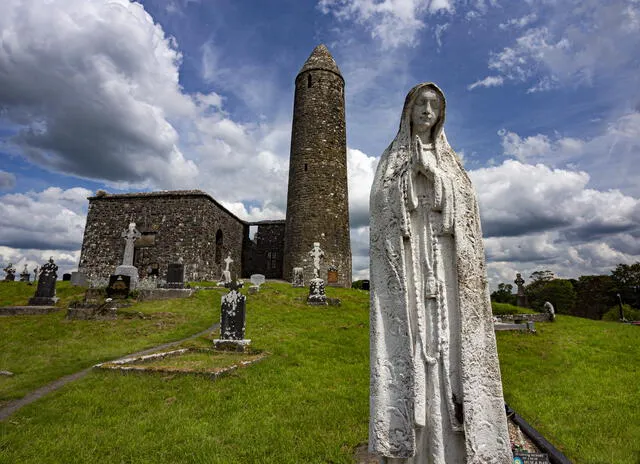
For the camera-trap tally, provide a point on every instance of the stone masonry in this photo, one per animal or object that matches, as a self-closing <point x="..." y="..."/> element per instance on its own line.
<point x="187" y="225"/>
<point x="317" y="201"/>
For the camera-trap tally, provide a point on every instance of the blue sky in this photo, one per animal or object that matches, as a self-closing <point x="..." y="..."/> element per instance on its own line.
<point x="542" y="98"/>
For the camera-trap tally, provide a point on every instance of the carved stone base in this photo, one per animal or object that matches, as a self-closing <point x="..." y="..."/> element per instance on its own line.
<point x="316" y="292"/>
<point x="42" y="301"/>
<point x="231" y="345"/>
<point x="130" y="271"/>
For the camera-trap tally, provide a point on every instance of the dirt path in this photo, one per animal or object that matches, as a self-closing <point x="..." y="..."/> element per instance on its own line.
<point x="11" y="407"/>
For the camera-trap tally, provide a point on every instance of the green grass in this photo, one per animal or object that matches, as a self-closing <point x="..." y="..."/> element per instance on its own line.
<point x="18" y="293"/>
<point x="40" y="349"/>
<point x="306" y="402"/>
<point x="195" y="361"/>
<point x="500" y="309"/>
<point x="576" y="381"/>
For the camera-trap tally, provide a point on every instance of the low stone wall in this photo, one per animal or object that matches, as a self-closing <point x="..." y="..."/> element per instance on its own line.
<point x="27" y="310"/>
<point x="164" y="293"/>
<point x="537" y="317"/>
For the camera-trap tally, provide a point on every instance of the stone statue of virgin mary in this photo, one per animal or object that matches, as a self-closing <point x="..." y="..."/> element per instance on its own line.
<point x="436" y="392"/>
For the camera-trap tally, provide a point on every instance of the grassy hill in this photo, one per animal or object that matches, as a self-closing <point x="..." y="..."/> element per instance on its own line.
<point x="575" y="381"/>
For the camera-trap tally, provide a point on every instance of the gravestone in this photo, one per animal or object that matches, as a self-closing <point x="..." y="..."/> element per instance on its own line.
<point x="35" y="273"/>
<point x="365" y="285"/>
<point x="66" y="277"/>
<point x="298" y="277"/>
<point x="317" y="296"/>
<point x="79" y="279"/>
<point x="521" y="297"/>
<point x="316" y="285"/>
<point x="24" y="275"/>
<point x="435" y="386"/>
<point x="119" y="286"/>
<point x="226" y="274"/>
<point x="175" y="275"/>
<point x="232" y="320"/>
<point x="46" y="290"/>
<point x="127" y="268"/>
<point x="257" y="279"/>
<point x="11" y="273"/>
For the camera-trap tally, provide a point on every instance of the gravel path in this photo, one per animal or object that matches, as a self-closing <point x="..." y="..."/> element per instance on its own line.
<point x="13" y="406"/>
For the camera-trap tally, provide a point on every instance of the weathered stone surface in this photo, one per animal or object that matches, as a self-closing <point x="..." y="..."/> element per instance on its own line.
<point x="175" y="275"/>
<point x="188" y="224"/>
<point x="257" y="279"/>
<point x="119" y="286"/>
<point x="99" y="312"/>
<point x="254" y="289"/>
<point x="164" y="293"/>
<point x="78" y="279"/>
<point x="265" y="253"/>
<point x="317" y="199"/>
<point x="34" y="310"/>
<point x="232" y="316"/>
<point x="298" y="277"/>
<point x="129" y="271"/>
<point x="46" y="290"/>
<point x="436" y="392"/>
<point x="316" y="292"/>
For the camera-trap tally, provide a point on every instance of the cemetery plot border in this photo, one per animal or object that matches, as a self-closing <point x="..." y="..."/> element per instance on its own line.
<point x="145" y="364"/>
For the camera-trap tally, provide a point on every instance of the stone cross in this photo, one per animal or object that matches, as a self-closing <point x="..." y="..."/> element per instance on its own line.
<point x="228" y="261"/>
<point x="11" y="272"/>
<point x="130" y="236"/>
<point x="520" y="283"/>
<point x="316" y="254"/>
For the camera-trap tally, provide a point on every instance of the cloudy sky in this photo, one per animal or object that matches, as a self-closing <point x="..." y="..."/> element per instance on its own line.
<point x="543" y="107"/>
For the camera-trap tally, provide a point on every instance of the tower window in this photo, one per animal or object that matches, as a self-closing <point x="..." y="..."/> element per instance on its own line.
<point x="309" y="83"/>
<point x="305" y="167"/>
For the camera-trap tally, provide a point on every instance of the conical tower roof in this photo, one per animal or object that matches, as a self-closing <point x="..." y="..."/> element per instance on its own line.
<point x="320" y="58"/>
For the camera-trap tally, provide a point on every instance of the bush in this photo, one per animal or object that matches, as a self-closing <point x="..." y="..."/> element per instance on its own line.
<point x="630" y="314"/>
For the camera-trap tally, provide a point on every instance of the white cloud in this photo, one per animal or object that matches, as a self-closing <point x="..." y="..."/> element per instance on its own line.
<point x="394" y="22"/>
<point x="518" y="23"/>
<point x="489" y="81"/>
<point x="93" y="87"/>
<point x="573" y="42"/>
<point x="50" y="219"/>
<point x="361" y="169"/>
<point x="610" y="157"/>
<point x="535" y="217"/>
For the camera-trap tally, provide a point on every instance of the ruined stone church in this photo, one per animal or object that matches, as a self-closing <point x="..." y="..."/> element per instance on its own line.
<point x="191" y="227"/>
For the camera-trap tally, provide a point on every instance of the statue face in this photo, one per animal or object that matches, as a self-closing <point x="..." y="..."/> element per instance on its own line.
<point x="426" y="109"/>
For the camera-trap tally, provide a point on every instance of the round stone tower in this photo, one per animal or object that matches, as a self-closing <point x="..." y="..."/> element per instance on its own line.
<point x="318" y="199"/>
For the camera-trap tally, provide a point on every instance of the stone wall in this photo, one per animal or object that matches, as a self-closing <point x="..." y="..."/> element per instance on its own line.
<point x="174" y="224"/>
<point x="267" y="250"/>
<point x="317" y="200"/>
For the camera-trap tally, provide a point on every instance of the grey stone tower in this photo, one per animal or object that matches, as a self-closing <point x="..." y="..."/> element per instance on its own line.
<point x="318" y="199"/>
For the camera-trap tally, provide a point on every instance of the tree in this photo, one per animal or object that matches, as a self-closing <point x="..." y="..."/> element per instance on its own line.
<point x="504" y="294"/>
<point x="544" y="287"/>
<point x="595" y="295"/>
<point x="627" y="282"/>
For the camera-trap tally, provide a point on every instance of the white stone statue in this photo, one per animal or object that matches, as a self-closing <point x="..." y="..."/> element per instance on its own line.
<point x="316" y="254"/>
<point x="436" y="392"/>
<point x="549" y="309"/>
<point x="130" y="236"/>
